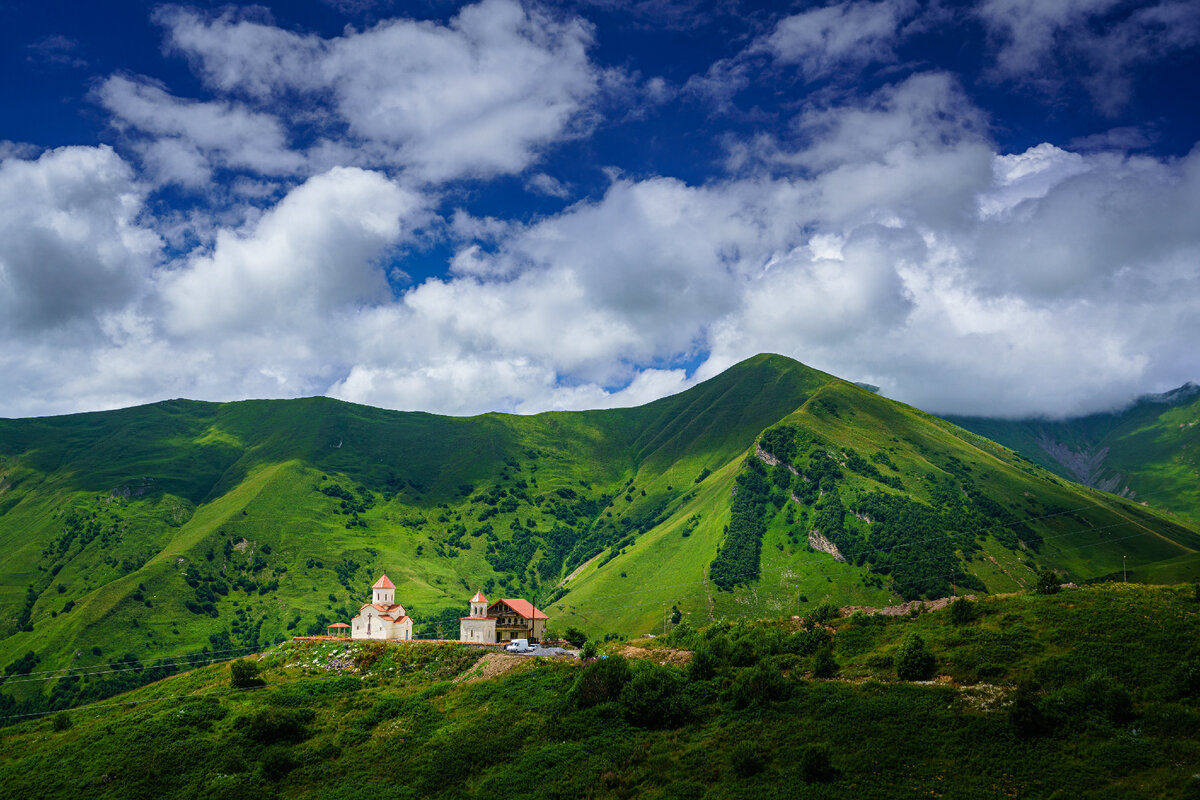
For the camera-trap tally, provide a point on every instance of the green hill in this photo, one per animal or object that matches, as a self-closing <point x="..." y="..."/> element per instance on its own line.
<point x="1028" y="696"/>
<point x="1149" y="451"/>
<point x="185" y="527"/>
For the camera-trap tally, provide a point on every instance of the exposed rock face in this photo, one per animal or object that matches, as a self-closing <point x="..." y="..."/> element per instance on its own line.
<point x="1085" y="466"/>
<point x="767" y="458"/>
<point x="819" y="541"/>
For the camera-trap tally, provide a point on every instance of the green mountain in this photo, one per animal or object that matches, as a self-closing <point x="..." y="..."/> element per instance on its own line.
<point x="180" y="526"/>
<point x="1149" y="451"/>
<point x="1032" y="696"/>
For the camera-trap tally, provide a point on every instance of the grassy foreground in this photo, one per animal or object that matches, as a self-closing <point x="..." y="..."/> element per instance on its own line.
<point x="1089" y="693"/>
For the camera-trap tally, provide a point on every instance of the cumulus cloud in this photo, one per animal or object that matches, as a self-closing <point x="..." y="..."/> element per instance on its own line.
<point x="877" y="234"/>
<point x="314" y="253"/>
<point x="846" y="36"/>
<point x="183" y="140"/>
<point x="72" y="244"/>
<point x="479" y="96"/>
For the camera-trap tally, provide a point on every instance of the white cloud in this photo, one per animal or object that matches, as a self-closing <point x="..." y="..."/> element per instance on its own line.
<point x="188" y="138"/>
<point x="314" y="254"/>
<point x="480" y="96"/>
<point x="72" y="246"/>
<point x="1044" y="43"/>
<point x="843" y="36"/>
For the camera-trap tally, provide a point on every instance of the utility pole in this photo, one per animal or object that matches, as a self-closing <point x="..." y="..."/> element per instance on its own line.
<point x="1124" y="572"/>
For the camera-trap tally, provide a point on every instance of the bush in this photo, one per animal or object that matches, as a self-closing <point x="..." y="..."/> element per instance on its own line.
<point x="746" y="760"/>
<point x="825" y="613"/>
<point x="243" y="674"/>
<point x="815" y="765"/>
<point x="962" y="611"/>
<point x="1048" y="582"/>
<point x="824" y="664"/>
<point x="654" y="698"/>
<point x="62" y="722"/>
<point x="759" y="685"/>
<point x="575" y="636"/>
<point x="1025" y="714"/>
<point x="270" y="726"/>
<point x="601" y="682"/>
<point x="914" y="662"/>
<point x="590" y="650"/>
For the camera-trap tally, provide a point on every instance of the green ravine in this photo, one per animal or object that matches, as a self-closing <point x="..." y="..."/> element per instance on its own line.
<point x="1090" y="693"/>
<point x="1149" y="450"/>
<point x="184" y="526"/>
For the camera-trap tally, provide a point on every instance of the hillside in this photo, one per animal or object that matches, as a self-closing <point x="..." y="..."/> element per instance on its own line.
<point x="1149" y="451"/>
<point x="1031" y="696"/>
<point x="185" y="527"/>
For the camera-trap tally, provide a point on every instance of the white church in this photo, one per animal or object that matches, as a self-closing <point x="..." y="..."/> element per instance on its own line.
<point x="383" y="617"/>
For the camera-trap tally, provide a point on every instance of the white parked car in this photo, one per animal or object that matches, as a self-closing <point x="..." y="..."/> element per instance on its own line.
<point x="520" y="646"/>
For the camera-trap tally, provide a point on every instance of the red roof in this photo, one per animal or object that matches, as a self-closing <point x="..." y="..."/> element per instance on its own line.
<point x="338" y="625"/>
<point x="479" y="598"/>
<point x="381" y="607"/>
<point x="524" y="608"/>
<point x="384" y="583"/>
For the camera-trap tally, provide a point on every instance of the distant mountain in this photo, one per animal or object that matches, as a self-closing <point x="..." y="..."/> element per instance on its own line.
<point x="1149" y="451"/>
<point x="157" y="530"/>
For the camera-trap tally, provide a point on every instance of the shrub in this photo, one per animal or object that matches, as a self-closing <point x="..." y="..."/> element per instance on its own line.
<point x="1047" y="582"/>
<point x="243" y="674"/>
<point x="270" y="726"/>
<point x="575" y="636"/>
<point x="277" y="762"/>
<point x="815" y="765"/>
<point x="654" y="698"/>
<point x="1025" y="714"/>
<point x="601" y="681"/>
<point x="914" y="662"/>
<point x="746" y="760"/>
<point x="962" y="611"/>
<point x="590" y="650"/>
<point x="759" y="685"/>
<point x="826" y="612"/>
<point x="824" y="664"/>
<point x="62" y="721"/>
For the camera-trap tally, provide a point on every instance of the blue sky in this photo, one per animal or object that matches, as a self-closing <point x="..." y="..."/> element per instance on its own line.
<point x="987" y="207"/>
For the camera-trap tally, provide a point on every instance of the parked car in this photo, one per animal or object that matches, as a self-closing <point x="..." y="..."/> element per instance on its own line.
<point x="518" y="646"/>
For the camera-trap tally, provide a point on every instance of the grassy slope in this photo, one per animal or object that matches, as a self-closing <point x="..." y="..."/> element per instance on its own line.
<point x="1120" y="721"/>
<point x="167" y="490"/>
<point x="1153" y="448"/>
<point x="1091" y="541"/>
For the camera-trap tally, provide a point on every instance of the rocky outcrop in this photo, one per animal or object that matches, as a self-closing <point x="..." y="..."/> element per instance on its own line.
<point x="1085" y="466"/>
<point x="767" y="458"/>
<point x="819" y="541"/>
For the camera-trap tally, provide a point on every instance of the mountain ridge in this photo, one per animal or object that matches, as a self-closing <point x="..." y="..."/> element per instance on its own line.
<point x="186" y="524"/>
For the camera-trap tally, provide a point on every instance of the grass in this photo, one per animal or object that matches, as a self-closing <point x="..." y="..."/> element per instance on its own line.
<point x="1101" y="665"/>
<point x="137" y="513"/>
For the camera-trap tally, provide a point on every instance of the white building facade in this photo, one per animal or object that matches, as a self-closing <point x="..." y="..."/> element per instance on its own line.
<point x="383" y="617"/>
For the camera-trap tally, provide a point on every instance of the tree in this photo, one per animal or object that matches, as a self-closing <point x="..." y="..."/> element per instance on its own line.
<point x="962" y="611"/>
<point x="654" y="697"/>
<point x="1047" y="582"/>
<point x="815" y="764"/>
<point x="914" y="662"/>
<point x="824" y="664"/>
<point x="601" y="681"/>
<point x="575" y="636"/>
<point x="243" y="674"/>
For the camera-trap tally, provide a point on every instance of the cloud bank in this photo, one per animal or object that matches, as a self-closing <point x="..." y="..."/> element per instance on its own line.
<point x="879" y="235"/>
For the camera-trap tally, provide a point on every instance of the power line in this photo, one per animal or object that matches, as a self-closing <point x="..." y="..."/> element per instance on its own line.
<point x="140" y="662"/>
<point x="103" y="705"/>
